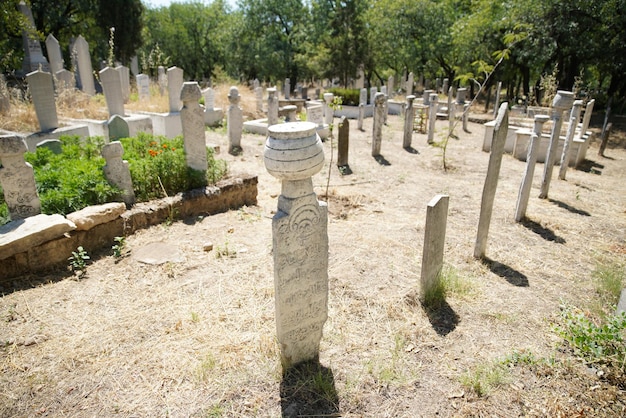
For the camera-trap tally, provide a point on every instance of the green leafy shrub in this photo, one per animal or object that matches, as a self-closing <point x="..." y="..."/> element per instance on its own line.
<point x="350" y="97"/>
<point x="158" y="167"/>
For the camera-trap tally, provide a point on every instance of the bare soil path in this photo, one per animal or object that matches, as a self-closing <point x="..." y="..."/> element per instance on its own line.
<point x="197" y="337"/>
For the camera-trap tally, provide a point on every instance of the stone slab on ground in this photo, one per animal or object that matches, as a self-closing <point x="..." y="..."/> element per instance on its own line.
<point x="158" y="253"/>
<point x="87" y="218"/>
<point x="19" y="236"/>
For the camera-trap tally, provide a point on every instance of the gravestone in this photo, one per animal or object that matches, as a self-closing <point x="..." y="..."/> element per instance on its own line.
<point x="112" y="86"/>
<point x="258" y="94"/>
<point x="315" y="114"/>
<point x="586" y="118"/>
<point x="343" y="142"/>
<point x="272" y="107"/>
<point x="409" y="84"/>
<point x="42" y="92"/>
<point x="451" y="113"/>
<point x="134" y="66"/>
<point x="17" y="179"/>
<point x="562" y="101"/>
<point x="438" y="85"/>
<point x="174" y="84"/>
<point x="329" y="112"/>
<point x="373" y="91"/>
<point x="531" y="159"/>
<point x="85" y="70"/>
<point x="434" y="241"/>
<point x="361" y="116"/>
<point x="287" y="91"/>
<point x="491" y="181"/>
<point x="125" y="81"/>
<point x="294" y="153"/>
<point x="118" y="128"/>
<point x="64" y="80"/>
<point x="53" y="145"/>
<point x="235" y="121"/>
<point x="5" y="103"/>
<point x="621" y="305"/>
<point x="116" y="171"/>
<point x="33" y="56"/>
<point x="569" y="138"/>
<point x="290" y="112"/>
<point x="433" y="103"/>
<point x="54" y="54"/>
<point x="390" y="86"/>
<point x="461" y="95"/>
<point x="143" y="86"/>
<point x="363" y="96"/>
<point x="409" y="117"/>
<point x="209" y="98"/>
<point x="192" y="119"/>
<point x="161" y="79"/>
<point x="426" y="97"/>
<point x="256" y="84"/>
<point x="377" y="126"/>
<point x="360" y="78"/>
<point x="445" y="85"/>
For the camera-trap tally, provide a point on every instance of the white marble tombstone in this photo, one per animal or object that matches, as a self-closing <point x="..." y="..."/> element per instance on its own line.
<point x="192" y="119"/>
<point x="174" y="84"/>
<point x="54" y="54"/>
<point x="272" y="107"/>
<point x="315" y="114"/>
<point x="235" y="121"/>
<point x="17" y="179"/>
<point x="434" y="241"/>
<point x="409" y="118"/>
<point x="85" y="69"/>
<point x="112" y="86"/>
<point x="143" y="86"/>
<point x="377" y="125"/>
<point x="569" y="138"/>
<point x="42" y="92"/>
<point x="125" y="81"/>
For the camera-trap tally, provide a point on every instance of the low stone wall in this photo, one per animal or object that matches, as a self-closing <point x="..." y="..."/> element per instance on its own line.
<point x="52" y="250"/>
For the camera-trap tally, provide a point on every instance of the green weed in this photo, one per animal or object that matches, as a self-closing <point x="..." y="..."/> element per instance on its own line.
<point x="78" y="262"/>
<point x="119" y="247"/>
<point x="485" y="378"/>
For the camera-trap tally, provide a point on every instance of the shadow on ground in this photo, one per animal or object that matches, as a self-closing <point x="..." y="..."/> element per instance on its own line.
<point x="442" y="318"/>
<point x="508" y="273"/>
<point x="569" y="208"/>
<point x="589" y="166"/>
<point x="542" y="231"/>
<point x="308" y="390"/>
<point x="381" y="160"/>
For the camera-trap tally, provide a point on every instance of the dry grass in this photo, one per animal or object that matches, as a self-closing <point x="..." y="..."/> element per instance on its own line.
<point x="197" y="338"/>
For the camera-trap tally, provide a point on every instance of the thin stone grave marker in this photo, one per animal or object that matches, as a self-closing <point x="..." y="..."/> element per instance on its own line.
<point x="272" y="107"/>
<point x="434" y="240"/>
<point x="54" y="54"/>
<point x="343" y="142"/>
<point x="117" y="172"/>
<point x="17" y="179"/>
<point x="85" y="69"/>
<point x="42" y="92"/>
<point x="174" y="85"/>
<point x="235" y="121"/>
<point x="377" y="125"/>
<point x="192" y="120"/>
<point x="409" y="117"/>
<point x="569" y="138"/>
<point x="112" y="86"/>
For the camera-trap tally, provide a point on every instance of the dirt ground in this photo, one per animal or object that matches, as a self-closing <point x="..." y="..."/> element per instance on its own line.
<point x="197" y="337"/>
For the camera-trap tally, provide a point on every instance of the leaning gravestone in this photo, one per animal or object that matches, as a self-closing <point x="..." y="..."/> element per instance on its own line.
<point x="85" y="70"/>
<point x="174" y="84"/>
<point x="343" y="142"/>
<point x="134" y="65"/>
<point x="569" y="138"/>
<point x="116" y="171"/>
<point x="53" y="145"/>
<point x="363" y="96"/>
<point x="17" y="179"/>
<point x="125" y="81"/>
<point x="293" y="154"/>
<point x="112" y="86"/>
<point x="433" y="103"/>
<point x="54" y="54"/>
<point x="491" y="181"/>
<point x="42" y="92"/>
<point x="235" y="121"/>
<point x="33" y="56"/>
<point x="192" y="119"/>
<point x="434" y="240"/>
<point x="65" y="79"/>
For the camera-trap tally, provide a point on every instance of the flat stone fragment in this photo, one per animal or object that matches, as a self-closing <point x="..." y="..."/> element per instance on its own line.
<point x="91" y="216"/>
<point x="19" y="236"/>
<point x="158" y="253"/>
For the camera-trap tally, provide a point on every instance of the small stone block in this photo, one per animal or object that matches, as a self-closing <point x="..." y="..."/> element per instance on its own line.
<point x="19" y="236"/>
<point x="91" y="216"/>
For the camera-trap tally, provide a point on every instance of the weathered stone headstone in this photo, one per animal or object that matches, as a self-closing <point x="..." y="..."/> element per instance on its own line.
<point x="569" y="138"/>
<point x="390" y="86"/>
<point x="161" y="79"/>
<point x="363" y="96"/>
<point x="53" y="145"/>
<point x="434" y="240"/>
<point x="118" y="128"/>
<point x="209" y="98"/>
<point x="54" y="54"/>
<point x="256" y="84"/>
<point x="343" y="142"/>
<point x="174" y="84"/>
<point x="235" y="121"/>
<point x="17" y="179"/>
<point x="461" y="95"/>
<point x="116" y="171"/>
<point x="315" y="114"/>
<point x="287" y="86"/>
<point x="451" y="113"/>
<point x="85" y="70"/>
<point x="445" y="85"/>
<point x="272" y="107"/>
<point x="373" y="92"/>
<point x="125" y="81"/>
<point x="465" y="115"/>
<point x="143" y="86"/>
<point x="192" y="119"/>
<point x="112" y="86"/>
<point x="377" y="126"/>
<point x="531" y="159"/>
<point x="329" y="112"/>
<point x="134" y="66"/>
<point x="360" y="78"/>
<point x="562" y="101"/>
<point x="491" y="181"/>
<point x="426" y="97"/>
<point x="586" y="118"/>
<point x="64" y="80"/>
<point x="258" y="94"/>
<point x="497" y="104"/>
<point x="42" y="92"/>
<point x="621" y="305"/>
<point x="5" y="102"/>
<point x="361" y="116"/>
<point x="294" y="153"/>
<point x="33" y="55"/>
<point x="409" y="118"/>
<point x="433" y="103"/>
<point x="409" y="84"/>
<point x="438" y="85"/>
<point x="290" y="112"/>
